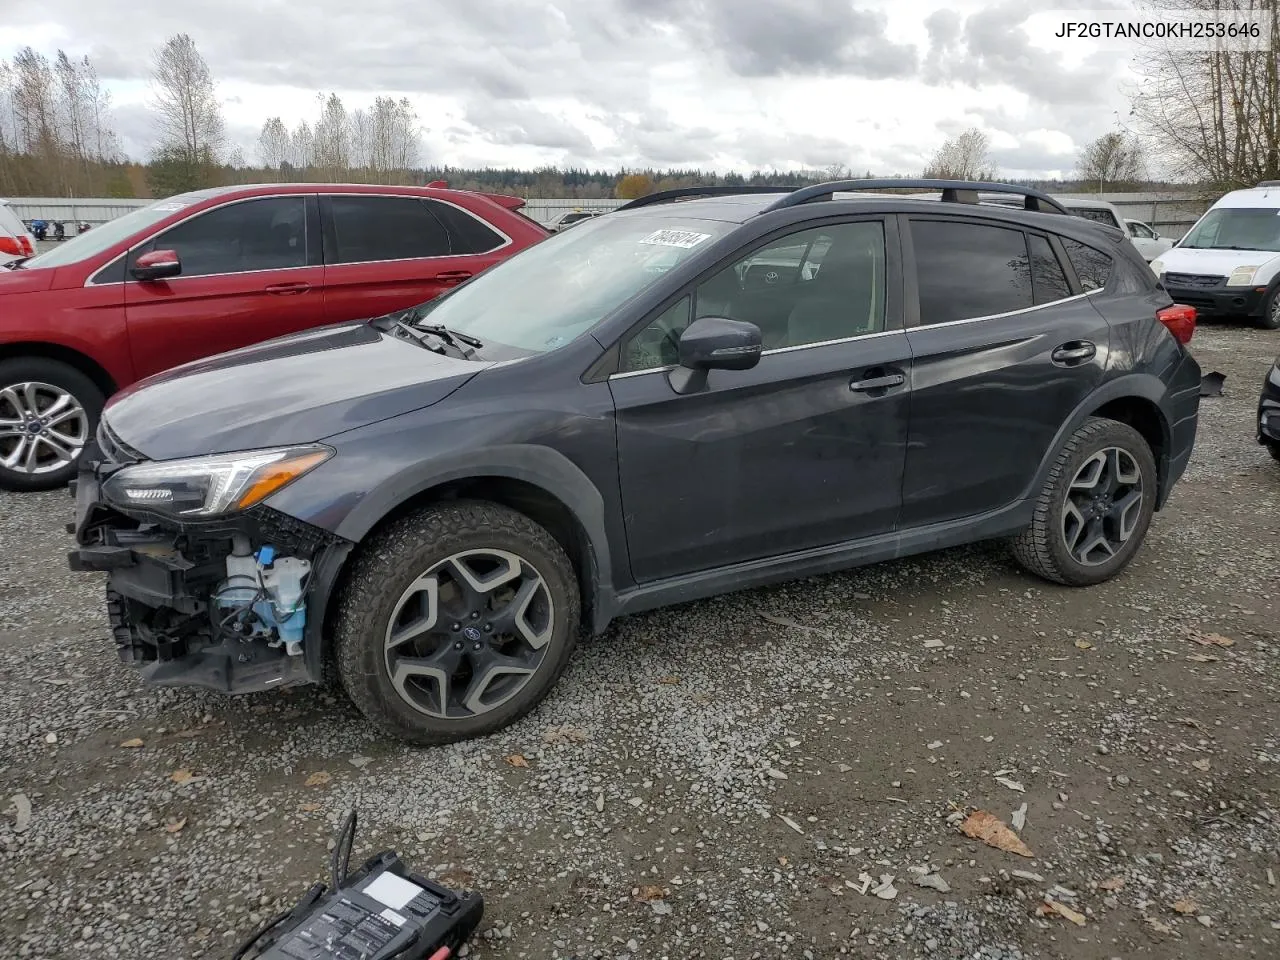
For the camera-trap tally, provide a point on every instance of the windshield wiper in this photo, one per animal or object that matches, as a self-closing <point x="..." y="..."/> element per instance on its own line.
<point x="453" y="336"/>
<point x="15" y="264"/>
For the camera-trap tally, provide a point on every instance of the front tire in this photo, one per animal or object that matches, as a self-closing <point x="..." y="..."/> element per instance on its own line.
<point x="1270" y="319"/>
<point x="48" y="412"/>
<point x="1095" y="510"/>
<point x="455" y="621"/>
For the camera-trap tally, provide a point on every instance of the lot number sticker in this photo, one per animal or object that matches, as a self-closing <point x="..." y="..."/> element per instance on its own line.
<point x="676" y="238"/>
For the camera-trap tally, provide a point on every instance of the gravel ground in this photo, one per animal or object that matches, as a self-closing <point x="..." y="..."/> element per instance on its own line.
<point x="717" y="780"/>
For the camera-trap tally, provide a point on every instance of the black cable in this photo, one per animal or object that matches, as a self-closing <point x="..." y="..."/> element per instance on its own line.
<point x="342" y="851"/>
<point x="262" y="932"/>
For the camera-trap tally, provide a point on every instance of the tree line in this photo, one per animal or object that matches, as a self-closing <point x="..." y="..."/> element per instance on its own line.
<point x="1213" y="117"/>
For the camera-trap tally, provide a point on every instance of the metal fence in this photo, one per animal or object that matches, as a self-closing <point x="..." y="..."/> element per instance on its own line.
<point x="1170" y="215"/>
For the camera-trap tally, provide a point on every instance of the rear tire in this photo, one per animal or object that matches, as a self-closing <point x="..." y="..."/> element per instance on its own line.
<point x="1095" y="509"/>
<point x="455" y="621"/>
<point x="62" y="403"/>
<point x="1273" y="448"/>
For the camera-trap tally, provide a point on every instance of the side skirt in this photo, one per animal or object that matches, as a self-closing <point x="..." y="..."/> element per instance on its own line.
<point x="1004" y="522"/>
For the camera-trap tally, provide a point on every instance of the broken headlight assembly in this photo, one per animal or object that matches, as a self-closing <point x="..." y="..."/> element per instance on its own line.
<point x="209" y="486"/>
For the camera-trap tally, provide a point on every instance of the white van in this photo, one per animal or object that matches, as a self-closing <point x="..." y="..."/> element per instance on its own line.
<point x="1228" y="264"/>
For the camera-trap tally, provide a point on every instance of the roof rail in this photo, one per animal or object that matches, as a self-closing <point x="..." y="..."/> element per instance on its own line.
<point x="953" y="191"/>
<point x="680" y="193"/>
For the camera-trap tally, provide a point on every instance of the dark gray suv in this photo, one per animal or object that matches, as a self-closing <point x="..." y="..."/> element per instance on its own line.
<point x="702" y="392"/>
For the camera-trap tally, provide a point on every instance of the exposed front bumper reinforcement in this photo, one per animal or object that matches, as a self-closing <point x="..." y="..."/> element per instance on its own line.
<point x="234" y="604"/>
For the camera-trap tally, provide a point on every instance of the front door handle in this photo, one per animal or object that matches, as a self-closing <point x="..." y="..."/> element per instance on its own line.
<point x="287" y="289"/>
<point x="878" y="383"/>
<point x="1074" y="353"/>
<point x="453" y="276"/>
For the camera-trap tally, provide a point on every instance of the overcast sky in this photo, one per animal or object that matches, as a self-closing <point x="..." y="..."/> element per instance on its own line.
<point x="716" y="84"/>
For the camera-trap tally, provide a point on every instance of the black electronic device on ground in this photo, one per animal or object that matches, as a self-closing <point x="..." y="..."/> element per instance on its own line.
<point x="380" y="912"/>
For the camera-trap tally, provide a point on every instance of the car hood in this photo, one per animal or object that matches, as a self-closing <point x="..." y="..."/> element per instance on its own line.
<point x="295" y="389"/>
<point x="23" y="280"/>
<point x="1213" y="262"/>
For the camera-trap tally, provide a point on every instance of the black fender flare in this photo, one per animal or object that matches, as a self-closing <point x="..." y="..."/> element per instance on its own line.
<point x="1144" y="386"/>
<point x="545" y="468"/>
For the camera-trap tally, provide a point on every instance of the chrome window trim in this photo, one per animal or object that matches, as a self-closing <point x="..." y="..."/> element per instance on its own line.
<point x="506" y="240"/>
<point x="768" y="353"/>
<point x="1010" y="313"/>
<point x="879" y="333"/>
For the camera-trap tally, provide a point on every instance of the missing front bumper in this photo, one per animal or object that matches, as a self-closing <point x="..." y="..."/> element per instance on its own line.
<point x="171" y="612"/>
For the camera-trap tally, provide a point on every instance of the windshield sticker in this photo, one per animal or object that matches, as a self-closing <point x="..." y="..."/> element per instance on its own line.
<point x="685" y="239"/>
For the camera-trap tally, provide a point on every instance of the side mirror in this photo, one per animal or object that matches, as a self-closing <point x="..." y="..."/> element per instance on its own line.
<point x="714" y="343"/>
<point x="157" y="265"/>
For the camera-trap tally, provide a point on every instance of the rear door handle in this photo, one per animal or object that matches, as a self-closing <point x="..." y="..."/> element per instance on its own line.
<point x="878" y="383"/>
<point x="1073" y="354"/>
<point x="453" y="276"/>
<point x="286" y="289"/>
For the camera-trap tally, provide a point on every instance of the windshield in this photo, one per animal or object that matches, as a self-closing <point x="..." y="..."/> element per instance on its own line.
<point x="560" y="288"/>
<point x="1236" y="228"/>
<point x="92" y="243"/>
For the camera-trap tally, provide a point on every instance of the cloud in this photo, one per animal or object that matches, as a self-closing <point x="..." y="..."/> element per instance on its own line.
<point x="991" y="48"/>
<point x="787" y="37"/>
<point x="716" y="84"/>
<point x="511" y="123"/>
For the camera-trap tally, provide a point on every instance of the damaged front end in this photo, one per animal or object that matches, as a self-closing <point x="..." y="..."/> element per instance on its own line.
<point x="206" y="585"/>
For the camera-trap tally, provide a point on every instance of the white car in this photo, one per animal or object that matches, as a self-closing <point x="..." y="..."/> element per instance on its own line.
<point x="1228" y="264"/>
<point x="16" y="242"/>
<point x="1149" y="243"/>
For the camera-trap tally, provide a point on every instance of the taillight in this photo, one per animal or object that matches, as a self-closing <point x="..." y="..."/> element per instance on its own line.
<point x="27" y="249"/>
<point x="1181" y="321"/>
<point x="11" y="246"/>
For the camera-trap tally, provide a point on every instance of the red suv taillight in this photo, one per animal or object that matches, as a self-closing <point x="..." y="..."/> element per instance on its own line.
<point x="11" y="246"/>
<point x="27" y="249"/>
<point x="1181" y="321"/>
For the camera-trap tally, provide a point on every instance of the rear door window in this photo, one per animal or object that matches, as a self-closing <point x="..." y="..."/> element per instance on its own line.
<point x="265" y="234"/>
<point x="368" y="229"/>
<point x="969" y="270"/>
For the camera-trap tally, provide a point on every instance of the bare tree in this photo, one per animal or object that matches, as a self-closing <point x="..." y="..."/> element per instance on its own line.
<point x="360" y="134"/>
<point x="1114" y="158"/>
<point x="332" y="140"/>
<point x="963" y="157"/>
<point x="1213" y="115"/>
<point x="186" y="104"/>
<point x="273" y="145"/>
<point x="302" y="145"/>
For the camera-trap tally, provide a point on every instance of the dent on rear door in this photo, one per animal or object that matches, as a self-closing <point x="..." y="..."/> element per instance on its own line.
<point x="987" y="402"/>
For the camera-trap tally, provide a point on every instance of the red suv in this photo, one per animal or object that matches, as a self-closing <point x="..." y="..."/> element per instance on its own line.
<point x="211" y="271"/>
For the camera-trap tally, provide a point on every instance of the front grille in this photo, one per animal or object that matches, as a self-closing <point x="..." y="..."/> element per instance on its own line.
<point x="1200" y="281"/>
<point x="114" y="450"/>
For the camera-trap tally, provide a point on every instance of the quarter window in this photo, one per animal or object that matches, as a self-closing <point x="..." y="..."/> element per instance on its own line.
<point x="1093" y="267"/>
<point x="969" y="270"/>
<point x="1047" y="275"/>
<point x="467" y="234"/>
<point x="821" y="284"/>
<point x="369" y="229"/>
<point x="266" y="234"/>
